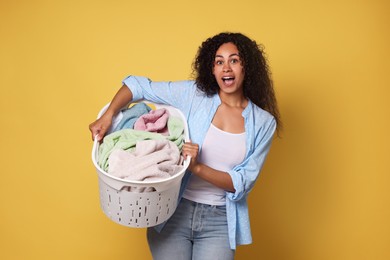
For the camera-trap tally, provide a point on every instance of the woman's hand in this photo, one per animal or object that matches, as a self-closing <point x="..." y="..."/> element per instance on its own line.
<point x="100" y="127"/>
<point x="218" y="178"/>
<point x="191" y="149"/>
<point x="121" y="99"/>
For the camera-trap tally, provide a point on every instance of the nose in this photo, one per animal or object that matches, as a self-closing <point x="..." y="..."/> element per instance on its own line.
<point x="226" y="67"/>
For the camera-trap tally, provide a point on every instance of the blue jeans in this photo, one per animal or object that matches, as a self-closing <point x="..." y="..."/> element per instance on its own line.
<point x="195" y="231"/>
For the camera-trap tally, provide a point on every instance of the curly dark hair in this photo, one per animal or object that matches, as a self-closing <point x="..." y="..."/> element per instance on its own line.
<point x="258" y="86"/>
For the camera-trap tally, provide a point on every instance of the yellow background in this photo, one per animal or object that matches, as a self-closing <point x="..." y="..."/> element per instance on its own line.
<point x="323" y="193"/>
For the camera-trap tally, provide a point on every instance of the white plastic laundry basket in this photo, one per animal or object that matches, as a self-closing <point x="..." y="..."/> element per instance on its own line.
<point x="139" y="209"/>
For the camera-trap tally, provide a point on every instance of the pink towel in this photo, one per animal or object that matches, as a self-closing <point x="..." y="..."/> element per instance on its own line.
<point x="152" y="160"/>
<point x="154" y="121"/>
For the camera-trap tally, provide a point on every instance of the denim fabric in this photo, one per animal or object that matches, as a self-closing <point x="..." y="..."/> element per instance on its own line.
<point x="195" y="231"/>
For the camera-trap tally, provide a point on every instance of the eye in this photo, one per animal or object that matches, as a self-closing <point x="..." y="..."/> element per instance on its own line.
<point x="218" y="62"/>
<point x="234" y="61"/>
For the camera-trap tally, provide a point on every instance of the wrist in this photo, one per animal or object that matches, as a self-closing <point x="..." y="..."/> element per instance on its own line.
<point x="197" y="169"/>
<point x="109" y="113"/>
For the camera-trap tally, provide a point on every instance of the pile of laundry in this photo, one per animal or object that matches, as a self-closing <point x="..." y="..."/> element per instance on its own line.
<point x="144" y="145"/>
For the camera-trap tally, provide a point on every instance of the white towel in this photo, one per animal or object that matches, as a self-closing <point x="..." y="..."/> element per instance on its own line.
<point x="151" y="160"/>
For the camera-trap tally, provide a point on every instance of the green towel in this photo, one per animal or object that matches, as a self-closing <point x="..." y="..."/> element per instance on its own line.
<point x="176" y="131"/>
<point x="126" y="139"/>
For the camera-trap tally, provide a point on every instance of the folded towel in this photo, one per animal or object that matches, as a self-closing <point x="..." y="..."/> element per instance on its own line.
<point x="131" y="115"/>
<point x="154" y="121"/>
<point x="176" y="131"/>
<point x="124" y="139"/>
<point x="152" y="160"/>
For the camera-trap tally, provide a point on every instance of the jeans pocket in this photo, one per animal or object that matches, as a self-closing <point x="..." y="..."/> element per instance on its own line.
<point x="219" y="210"/>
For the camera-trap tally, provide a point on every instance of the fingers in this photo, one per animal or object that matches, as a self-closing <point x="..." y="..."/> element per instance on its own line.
<point x="100" y="127"/>
<point x="190" y="149"/>
<point x="94" y="131"/>
<point x="97" y="130"/>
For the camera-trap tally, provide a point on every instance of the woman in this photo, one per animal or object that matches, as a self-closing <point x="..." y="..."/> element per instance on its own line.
<point x="232" y="115"/>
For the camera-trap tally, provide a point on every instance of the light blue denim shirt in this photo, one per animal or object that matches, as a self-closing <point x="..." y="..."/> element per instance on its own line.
<point x="199" y="111"/>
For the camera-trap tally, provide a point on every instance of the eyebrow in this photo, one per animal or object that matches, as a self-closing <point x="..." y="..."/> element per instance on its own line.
<point x="233" y="54"/>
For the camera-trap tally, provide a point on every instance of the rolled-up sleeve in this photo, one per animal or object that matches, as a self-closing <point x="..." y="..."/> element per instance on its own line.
<point x="245" y="174"/>
<point x="134" y="84"/>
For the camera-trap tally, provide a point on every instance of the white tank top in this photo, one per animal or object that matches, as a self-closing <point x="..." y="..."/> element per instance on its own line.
<point x="221" y="151"/>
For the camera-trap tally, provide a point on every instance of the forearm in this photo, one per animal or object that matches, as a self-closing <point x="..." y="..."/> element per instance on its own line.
<point x="100" y="127"/>
<point x="120" y="100"/>
<point x="218" y="178"/>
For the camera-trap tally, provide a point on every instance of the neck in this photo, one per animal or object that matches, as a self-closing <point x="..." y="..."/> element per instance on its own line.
<point x="233" y="100"/>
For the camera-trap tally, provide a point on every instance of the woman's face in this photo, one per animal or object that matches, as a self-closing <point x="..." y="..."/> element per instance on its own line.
<point x="228" y="69"/>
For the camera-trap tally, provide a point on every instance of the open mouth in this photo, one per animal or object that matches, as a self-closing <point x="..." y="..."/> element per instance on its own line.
<point x="228" y="80"/>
